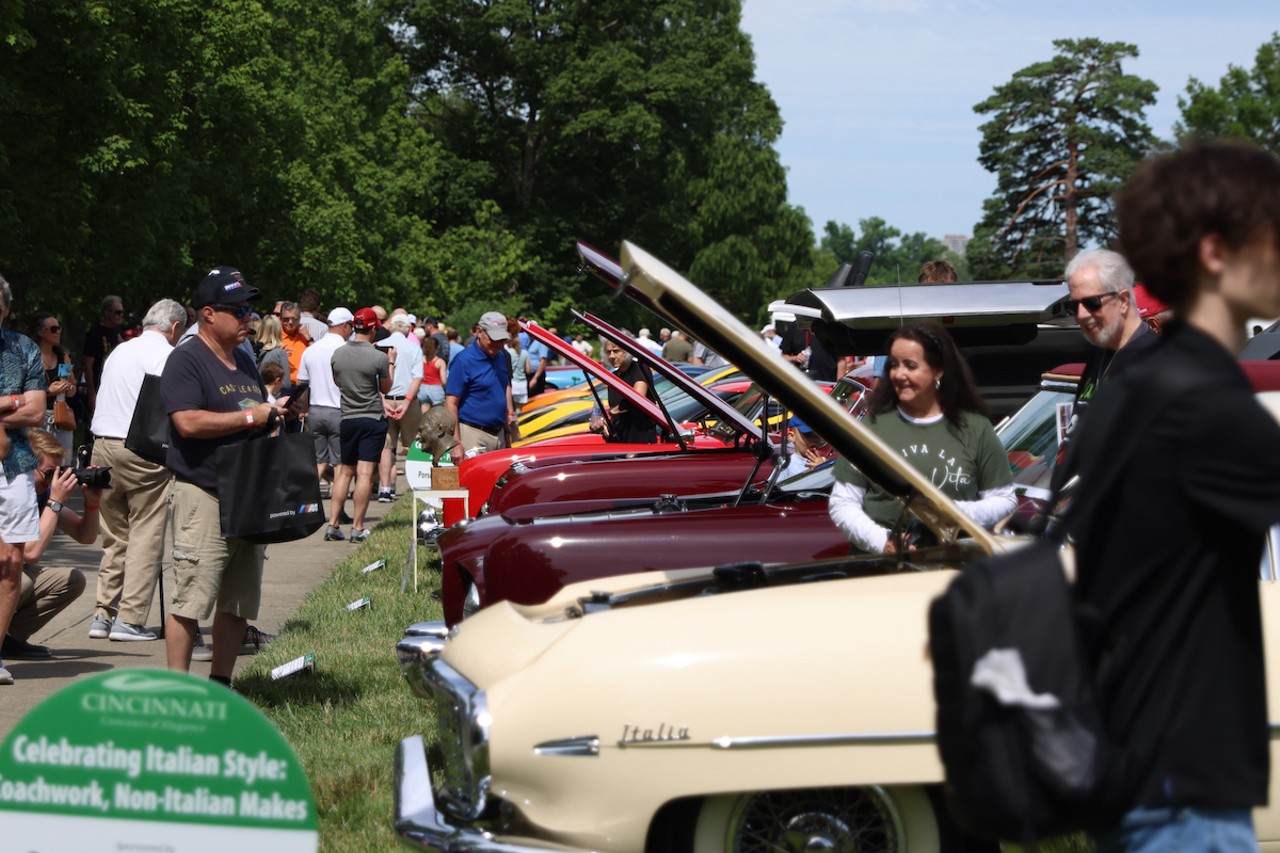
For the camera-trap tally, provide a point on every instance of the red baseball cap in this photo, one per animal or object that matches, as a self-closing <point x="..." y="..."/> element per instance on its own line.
<point x="1148" y="305"/>
<point x="366" y="319"/>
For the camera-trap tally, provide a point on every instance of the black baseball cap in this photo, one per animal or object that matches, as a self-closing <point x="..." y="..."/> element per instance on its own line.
<point x="221" y="286"/>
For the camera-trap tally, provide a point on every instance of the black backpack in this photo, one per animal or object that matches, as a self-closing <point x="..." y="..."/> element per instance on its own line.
<point x="1018" y="771"/>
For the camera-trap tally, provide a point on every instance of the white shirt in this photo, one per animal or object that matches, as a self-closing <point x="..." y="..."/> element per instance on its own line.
<point x="122" y="374"/>
<point x="317" y="369"/>
<point x="408" y="364"/>
<point x="651" y="345"/>
<point x="317" y="327"/>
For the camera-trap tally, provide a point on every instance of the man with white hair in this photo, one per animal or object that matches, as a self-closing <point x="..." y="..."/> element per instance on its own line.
<point x="645" y="340"/>
<point x="401" y="401"/>
<point x="135" y="509"/>
<point x="1101" y="286"/>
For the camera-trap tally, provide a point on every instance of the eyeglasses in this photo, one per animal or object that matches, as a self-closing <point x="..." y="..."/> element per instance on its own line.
<point x="54" y="329"/>
<point x="241" y="311"/>
<point x="1092" y="304"/>
<point x="116" y="312"/>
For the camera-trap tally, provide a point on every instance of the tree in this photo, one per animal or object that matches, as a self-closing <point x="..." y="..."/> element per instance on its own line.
<point x="1246" y="104"/>
<point x="898" y="256"/>
<point x="609" y="120"/>
<point x="1063" y="135"/>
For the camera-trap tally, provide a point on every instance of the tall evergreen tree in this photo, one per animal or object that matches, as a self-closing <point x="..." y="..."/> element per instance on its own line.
<point x="1062" y="136"/>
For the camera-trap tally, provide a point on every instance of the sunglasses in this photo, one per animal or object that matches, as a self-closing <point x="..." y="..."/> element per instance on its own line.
<point x="289" y="319"/>
<point x="45" y="473"/>
<point x="1092" y="304"/>
<point x="116" y="312"/>
<point x="55" y="329"/>
<point x="241" y="311"/>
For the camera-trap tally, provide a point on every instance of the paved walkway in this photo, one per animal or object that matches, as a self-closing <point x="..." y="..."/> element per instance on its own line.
<point x="291" y="571"/>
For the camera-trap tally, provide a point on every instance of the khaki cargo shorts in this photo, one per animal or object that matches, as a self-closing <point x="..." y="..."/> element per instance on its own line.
<point x="210" y="570"/>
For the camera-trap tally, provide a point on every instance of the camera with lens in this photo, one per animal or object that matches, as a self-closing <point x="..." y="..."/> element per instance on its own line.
<point x="93" y="478"/>
<point x="90" y="476"/>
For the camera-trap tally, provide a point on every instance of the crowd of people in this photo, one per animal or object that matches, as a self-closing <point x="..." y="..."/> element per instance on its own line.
<point x="227" y="368"/>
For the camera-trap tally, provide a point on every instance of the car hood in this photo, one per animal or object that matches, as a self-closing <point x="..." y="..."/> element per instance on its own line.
<point x="682" y="303"/>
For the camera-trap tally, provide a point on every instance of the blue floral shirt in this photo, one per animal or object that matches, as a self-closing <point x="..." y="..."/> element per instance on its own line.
<point x="21" y="370"/>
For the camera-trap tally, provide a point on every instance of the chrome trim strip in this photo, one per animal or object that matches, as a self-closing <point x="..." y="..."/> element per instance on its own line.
<point x="838" y="739"/>
<point x="778" y="741"/>
<point x="585" y="746"/>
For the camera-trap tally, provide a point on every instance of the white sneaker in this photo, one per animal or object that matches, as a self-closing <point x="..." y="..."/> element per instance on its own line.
<point x="99" y="628"/>
<point x="201" y="652"/>
<point x="6" y="677"/>
<point x="126" y="632"/>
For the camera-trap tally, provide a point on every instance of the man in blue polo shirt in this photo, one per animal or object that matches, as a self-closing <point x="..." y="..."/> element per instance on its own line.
<point x="478" y="390"/>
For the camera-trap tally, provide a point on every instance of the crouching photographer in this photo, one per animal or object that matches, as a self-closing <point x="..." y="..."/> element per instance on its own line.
<point x="46" y="591"/>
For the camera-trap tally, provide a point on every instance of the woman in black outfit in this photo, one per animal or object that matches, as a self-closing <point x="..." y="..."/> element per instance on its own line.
<point x="623" y="424"/>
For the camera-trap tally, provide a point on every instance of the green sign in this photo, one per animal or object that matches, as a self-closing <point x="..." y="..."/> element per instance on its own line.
<point x="417" y="468"/>
<point x="129" y="760"/>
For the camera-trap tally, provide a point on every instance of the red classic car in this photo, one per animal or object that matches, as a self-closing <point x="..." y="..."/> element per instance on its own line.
<point x="479" y="473"/>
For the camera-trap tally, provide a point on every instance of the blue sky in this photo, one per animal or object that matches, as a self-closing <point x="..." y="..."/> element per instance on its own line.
<point x="878" y="95"/>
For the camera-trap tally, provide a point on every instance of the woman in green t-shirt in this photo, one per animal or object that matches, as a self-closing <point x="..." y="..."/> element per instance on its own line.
<point x="927" y="407"/>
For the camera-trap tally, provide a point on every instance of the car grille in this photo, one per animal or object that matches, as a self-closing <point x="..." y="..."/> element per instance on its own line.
<point x="462" y="720"/>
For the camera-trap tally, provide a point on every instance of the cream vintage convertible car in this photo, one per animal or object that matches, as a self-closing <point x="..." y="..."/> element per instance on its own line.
<point x="745" y="707"/>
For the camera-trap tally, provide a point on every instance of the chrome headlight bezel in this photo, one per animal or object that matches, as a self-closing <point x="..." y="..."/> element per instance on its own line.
<point x="463" y="722"/>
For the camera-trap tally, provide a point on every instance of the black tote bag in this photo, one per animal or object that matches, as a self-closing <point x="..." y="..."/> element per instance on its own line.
<point x="268" y="489"/>
<point x="149" y="429"/>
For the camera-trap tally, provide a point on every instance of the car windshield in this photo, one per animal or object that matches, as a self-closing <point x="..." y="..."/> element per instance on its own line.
<point x="1030" y="437"/>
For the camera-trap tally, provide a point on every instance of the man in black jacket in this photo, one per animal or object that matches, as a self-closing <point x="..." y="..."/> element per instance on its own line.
<point x="1168" y="558"/>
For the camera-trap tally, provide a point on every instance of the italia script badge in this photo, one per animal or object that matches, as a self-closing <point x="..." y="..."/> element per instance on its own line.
<point x="664" y="733"/>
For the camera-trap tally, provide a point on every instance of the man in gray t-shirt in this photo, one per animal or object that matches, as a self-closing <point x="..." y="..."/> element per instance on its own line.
<point x="363" y="374"/>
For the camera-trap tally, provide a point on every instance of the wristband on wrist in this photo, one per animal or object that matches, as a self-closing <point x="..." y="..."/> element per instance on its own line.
<point x="248" y="417"/>
<point x="17" y="401"/>
<point x="88" y="507"/>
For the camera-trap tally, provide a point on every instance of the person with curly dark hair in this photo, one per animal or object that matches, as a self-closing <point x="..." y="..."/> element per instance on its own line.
<point x="930" y="410"/>
<point x="1167" y="559"/>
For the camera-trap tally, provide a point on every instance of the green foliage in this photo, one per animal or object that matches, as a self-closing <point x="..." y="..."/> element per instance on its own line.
<point x="1062" y="136"/>
<point x="1246" y="103"/>
<point x="275" y="135"/>
<point x="605" y="120"/>
<point x="898" y="256"/>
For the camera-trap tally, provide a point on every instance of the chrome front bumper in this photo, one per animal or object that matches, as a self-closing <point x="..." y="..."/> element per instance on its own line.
<point x="419" y="823"/>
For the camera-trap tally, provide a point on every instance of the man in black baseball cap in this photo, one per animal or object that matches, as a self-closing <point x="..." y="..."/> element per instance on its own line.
<point x="214" y="397"/>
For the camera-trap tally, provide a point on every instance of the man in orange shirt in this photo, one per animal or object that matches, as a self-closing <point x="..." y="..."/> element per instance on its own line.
<point x="295" y="337"/>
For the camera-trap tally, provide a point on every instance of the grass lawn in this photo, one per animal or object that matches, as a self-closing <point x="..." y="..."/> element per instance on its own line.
<point x="345" y="718"/>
